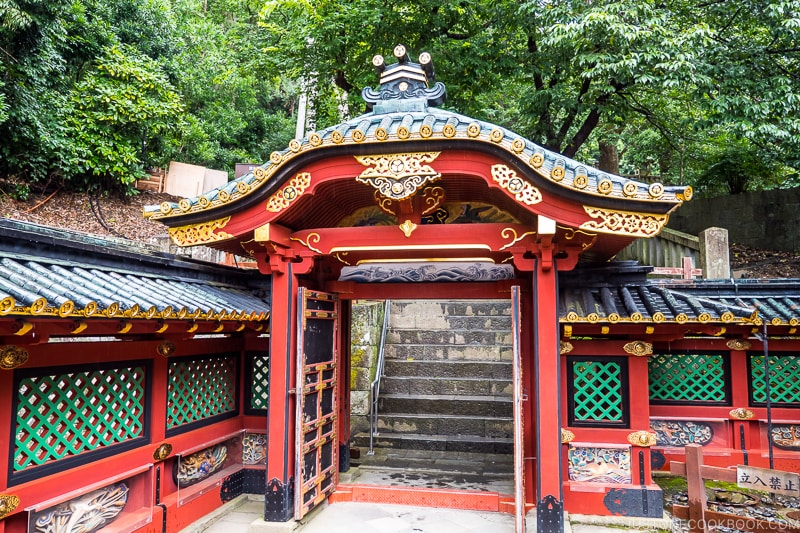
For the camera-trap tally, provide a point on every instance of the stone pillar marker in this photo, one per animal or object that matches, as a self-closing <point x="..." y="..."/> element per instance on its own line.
<point x="714" y="255"/>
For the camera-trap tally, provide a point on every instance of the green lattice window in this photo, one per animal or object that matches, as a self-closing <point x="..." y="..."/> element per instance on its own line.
<point x="599" y="391"/>
<point x="201" y="390"/>
<point x="688" y="378"/>
<point x="64" y="413"/>
<point x="784" y="383"/>
<point x="257" y="382"/>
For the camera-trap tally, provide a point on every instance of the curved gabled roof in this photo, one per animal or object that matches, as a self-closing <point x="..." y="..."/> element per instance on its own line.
<point x="404" y="118"/>
<point x="430" y="128"/>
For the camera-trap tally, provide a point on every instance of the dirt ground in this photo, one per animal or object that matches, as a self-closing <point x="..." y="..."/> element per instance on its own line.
<point x="122" y="217"/>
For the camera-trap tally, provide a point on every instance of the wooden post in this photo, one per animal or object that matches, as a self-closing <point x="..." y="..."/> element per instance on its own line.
<point x="696" y="489"/>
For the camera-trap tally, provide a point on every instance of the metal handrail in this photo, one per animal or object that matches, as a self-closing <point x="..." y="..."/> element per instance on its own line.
<point x="375" y="386"/>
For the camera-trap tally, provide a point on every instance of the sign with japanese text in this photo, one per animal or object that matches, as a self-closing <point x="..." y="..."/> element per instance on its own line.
<point x="750" y="477"/>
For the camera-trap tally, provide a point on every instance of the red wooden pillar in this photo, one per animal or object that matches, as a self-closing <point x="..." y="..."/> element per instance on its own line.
<point x="528" y="407"/>
<point x="639" y="401"/>
<point x="547" y="399"/>
<point x="279" y="495"/>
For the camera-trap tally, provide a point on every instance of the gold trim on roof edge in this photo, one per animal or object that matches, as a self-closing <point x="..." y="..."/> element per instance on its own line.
<point x="530" y="158"/>
<point x="202" y="233"/>
<point x="289" y="193"/>
<point x="623" y="222"/>
<point x="115" y="310"/>
<point x="524" y="192"/>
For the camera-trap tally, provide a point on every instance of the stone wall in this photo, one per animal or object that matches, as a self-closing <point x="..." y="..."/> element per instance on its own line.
<point x="762" y="219"/>
<point x="365" y="335"/>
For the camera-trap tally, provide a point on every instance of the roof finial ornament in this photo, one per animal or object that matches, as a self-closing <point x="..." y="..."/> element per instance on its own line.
<point x="405" y="86"/>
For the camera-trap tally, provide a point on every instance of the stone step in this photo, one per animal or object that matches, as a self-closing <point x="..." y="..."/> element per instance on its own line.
<point x="450" y="443"/>
<point x="446" y="404"/>
<point x="406" y="460"/>
<point x="492" y="427"/>
<point x="449" y="337"/>
<point x="446" y="385"/>
<point x="451" y="323"/>
<point x="433" y="368"/>
<point x="449" y="352"/>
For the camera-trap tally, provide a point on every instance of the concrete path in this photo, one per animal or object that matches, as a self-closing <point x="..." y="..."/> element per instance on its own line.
<point x="244" y="515"/>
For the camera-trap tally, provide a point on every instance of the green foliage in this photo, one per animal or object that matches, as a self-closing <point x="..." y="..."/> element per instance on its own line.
<point x="238" y="112"/>
<point x="704" y="94"/>
<point x="123" y="99"/>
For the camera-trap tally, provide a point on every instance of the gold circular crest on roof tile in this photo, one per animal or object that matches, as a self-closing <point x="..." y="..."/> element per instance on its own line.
<point x="630" y="188"/>
<point x="449" y="130"/>
<point x="403" y="132"/>
<point x="165" y="208"/>
<point x="66" y="308"/>
<point x="496" y="135"/>
<point x="315" y="139"/>
<point x="656" y="190"/>
<point x="185" y="205"/>
<point x="223" y="196"/>
<point x="518" y="145"/>
<point x="425" y="131"/>
<point x="381" y="134"/>
<point x="337" y="137"/>
<point x="686" y="195"/>
<point x="242" y="187"/>
<point x="613" y="318"/>
<point x="275" y="157"/>
<point x="357" y="135"/>
<point x="12" y="356"/>
<point x="572" y="316"/>
<point x="605" y="186"/>
<point x="39" y="306"/>
<point x="580" y="182"/>
<point x="658" y="316"/>
<point x="681" y="318"/>
<point x="537" y="160"/>
<point x="474" y="129"/>
<point x="6" y="305"/>
<point x="203" y="202"/>
<point x="558" y="173"/>
<point x="295" y="146"/>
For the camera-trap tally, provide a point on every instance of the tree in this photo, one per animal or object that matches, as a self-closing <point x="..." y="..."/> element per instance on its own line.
<point x="120" y="102"/>
<point x="560" y="72"/>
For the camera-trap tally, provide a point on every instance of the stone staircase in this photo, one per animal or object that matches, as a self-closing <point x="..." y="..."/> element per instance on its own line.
<point x="447" y="379"/>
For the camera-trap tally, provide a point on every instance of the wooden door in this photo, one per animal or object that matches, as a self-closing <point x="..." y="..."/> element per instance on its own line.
<point x="316" y="473"/>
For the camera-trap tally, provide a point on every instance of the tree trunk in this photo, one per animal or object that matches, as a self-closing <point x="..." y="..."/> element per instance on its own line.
<point x="609" y="158"/>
